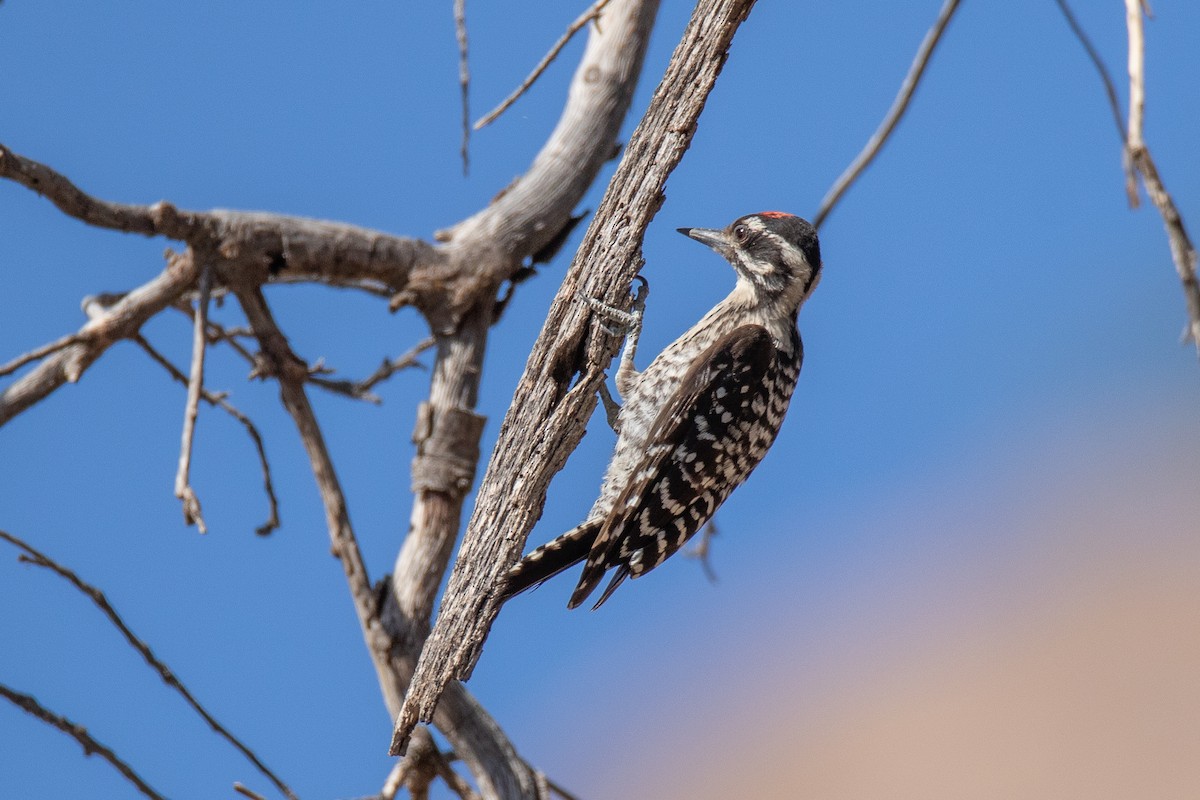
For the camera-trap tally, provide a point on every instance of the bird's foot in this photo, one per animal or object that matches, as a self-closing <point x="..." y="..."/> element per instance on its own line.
<point x="626" y="322"/>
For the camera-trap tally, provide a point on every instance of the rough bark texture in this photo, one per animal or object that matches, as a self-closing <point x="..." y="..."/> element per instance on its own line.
<point x="557" y="392"/>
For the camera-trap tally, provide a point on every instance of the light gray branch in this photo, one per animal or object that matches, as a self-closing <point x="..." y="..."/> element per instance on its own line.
<point x="1183" y="251"/>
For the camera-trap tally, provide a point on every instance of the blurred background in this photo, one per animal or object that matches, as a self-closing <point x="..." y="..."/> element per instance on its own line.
<point x="969" y="567"/>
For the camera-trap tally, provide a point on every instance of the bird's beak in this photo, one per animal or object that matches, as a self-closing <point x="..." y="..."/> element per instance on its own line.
<point x="714" y="238"/>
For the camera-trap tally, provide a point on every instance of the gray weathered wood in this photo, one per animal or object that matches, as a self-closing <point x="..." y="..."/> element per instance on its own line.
<point x="557" y="392"/>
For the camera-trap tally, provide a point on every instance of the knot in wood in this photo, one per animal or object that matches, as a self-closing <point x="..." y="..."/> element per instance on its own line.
<point x="447" y="441"/>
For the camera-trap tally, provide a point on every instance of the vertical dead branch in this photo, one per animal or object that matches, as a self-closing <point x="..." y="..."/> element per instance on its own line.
<point x="464" y="80"/>
<point x="1183" y="251"/>
<point x="183" y="484"/>
<point x="522" y="464"/>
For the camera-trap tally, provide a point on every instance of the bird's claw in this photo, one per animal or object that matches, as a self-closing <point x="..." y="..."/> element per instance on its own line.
<point x="625" y="320"/>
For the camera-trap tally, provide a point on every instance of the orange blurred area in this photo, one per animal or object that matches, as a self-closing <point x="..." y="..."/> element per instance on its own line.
<point x="1071" y="672"/>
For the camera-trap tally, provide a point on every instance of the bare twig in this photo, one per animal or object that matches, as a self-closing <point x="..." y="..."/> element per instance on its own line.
<point x="1110" y="88"/>
<point x="583" y="19"/>
<point x="892" y="118"/>
<point x="390" y="367"/>
<point x="218" y="333"/>
<point x="1183" y="251"/>
<point x="121" y="321"/>
<point x="39" y="353"/>
<point x="39" y="559"/>
<point x="183" y="485"/>
<point x="464" y="80"/>
<point x="1114" y="104"/>
<point x="219" y="401"/>
<point x="361" y="390"/>
<point x="549" y="399"/>
<point x="246" y="792"/>
<point x="31" y="706"/>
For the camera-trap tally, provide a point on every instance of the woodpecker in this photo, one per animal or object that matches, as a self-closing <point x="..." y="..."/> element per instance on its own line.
<point x="700" y="418"/>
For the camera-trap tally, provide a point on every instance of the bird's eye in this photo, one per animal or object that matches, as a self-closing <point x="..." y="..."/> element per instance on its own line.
<point x="741" y="233"/>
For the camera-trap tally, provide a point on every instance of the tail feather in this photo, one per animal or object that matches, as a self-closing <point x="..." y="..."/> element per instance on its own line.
<point x="550" y="559"/>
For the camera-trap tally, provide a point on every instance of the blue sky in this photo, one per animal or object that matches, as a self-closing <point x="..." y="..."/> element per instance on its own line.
<point x="992" y="356"/>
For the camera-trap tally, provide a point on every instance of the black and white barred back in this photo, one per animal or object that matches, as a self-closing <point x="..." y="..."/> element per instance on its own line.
<point x="700" y="418"/>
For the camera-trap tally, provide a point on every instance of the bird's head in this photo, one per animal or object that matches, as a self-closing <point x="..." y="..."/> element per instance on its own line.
<point x="776" y="255"/>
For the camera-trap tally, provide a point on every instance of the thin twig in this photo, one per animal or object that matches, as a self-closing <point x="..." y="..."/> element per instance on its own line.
<point x="892" y="118"/>
<point x="1114" y="104"/>
<point x="592" y="13"/>
<point x="119" y="322"/>
<point x="219" y="401"/>
<point x="361" y="390"/>
<point x="39" y="559"/>
<point x="464" y="80"/>
<point x="39" y="353"/>
<point x="183" y="484"/>
<point x="30" y="705"/>
<point x="403" y="361"/>
<point x="245" y="792"/>
<point x="1110" y="87"/>
<point x="1183" y="251"/>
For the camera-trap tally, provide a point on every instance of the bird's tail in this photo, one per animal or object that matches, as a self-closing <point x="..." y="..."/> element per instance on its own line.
<point x="550" y="559"/>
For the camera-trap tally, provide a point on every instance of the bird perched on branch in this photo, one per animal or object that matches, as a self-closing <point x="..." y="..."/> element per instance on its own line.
<point x="699" y="419"/>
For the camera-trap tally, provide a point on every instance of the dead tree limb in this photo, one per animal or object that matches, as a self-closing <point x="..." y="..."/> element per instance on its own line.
<point x="1183" y="251"/>
<point x="557" y="392"/>
<point x="37" y="558"/>
<point x="91" y="746"/>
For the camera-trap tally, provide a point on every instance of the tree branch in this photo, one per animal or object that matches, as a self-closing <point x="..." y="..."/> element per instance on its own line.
<point x="593" y="13"/>
<point x="890" y="120"/>
<point x="120" y="321"/>
<point x="31" y="706"/>
<point x="195" y="387"/>
<point x="464" y="80"/>
<point x="219" y="401"/>
<point x="513" y="490"/>
<point x="473" y="733"/>
<point x="39" y="559"/>
<point x="1183" y="252"/>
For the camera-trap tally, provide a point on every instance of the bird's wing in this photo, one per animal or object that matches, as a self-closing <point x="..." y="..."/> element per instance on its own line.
<point x="697" y="451"/>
